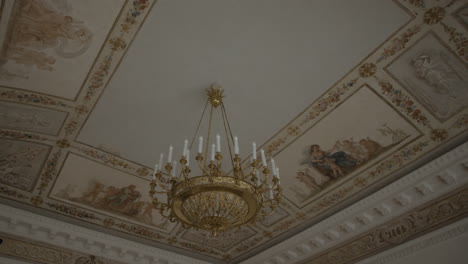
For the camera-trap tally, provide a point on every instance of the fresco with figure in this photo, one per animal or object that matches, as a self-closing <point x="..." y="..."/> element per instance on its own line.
<point x="39" y="27"/>
<point x="336" y="148"/>
<point x="126" y="201"/>
<point x="103" y="191"/>
<point x="43" y="41"/>
<point x="327" y="166"/>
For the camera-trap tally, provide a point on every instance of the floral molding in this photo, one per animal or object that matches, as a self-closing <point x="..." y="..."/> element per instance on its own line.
<point x="428" y="16"/>
<point x="77" y="242"/>
<point x="435" y="179"/>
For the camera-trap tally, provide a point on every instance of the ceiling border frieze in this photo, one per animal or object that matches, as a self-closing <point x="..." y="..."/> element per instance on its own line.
<point x="53" y="233"/>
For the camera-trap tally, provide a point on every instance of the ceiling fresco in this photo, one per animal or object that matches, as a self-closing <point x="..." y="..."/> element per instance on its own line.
<point x="407" y="99"/>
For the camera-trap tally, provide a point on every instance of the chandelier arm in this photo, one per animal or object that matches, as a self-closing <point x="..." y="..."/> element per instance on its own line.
<point x="203" y="169"/>
<point x="162" y="185"/>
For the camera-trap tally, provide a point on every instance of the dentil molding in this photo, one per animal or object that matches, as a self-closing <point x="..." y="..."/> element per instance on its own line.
<point x="429" y="182"/>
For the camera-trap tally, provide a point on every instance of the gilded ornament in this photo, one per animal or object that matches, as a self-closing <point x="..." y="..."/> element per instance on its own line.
<point x="360" y="182"/>
<point x="458" y="38"/>
<point x="439" y="134"/>
<point x="63" y="143"/>
<point x="404" y="103"/>
<point x="138" y="7"/>
<point x="399" y="43"/>
<point x="108" y="222"/>
<point x="142" y="171"/>
<point x="37" y="200"/>
<point x="294" y="130"/>
<point x="117" y="44"/>
<point x="434" y="15"/>
<point x="97" y="79"/>
<point x="81" y="109"/>
<point x="367" y="70"/>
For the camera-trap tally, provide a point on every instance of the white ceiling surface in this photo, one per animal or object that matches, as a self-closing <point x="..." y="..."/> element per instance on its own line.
<point x="273" y="58"/>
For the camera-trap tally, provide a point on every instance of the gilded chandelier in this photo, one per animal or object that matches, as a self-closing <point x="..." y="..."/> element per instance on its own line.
<point x="214" y="200"/>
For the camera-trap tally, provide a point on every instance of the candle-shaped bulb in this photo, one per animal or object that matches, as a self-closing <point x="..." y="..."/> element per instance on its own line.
<point x="184" y="153"/>
<point x="213" y="151"/>
<point x="155" y="171"/>
<point x="262" y="153"/>
<point x="277" y="173"/>
<point x="258" y="178"/>
<point x="174" y="166"/>
<point x="218" y="143"/>
<point x="200" y="144"/>
<point x="169" y="156"/>
<point x="236" y="145"/>
<point x="161" y="157"/>
<point x="273" y="167"/>
<point x="254" y="150"/>
<point x="270" y="192"/>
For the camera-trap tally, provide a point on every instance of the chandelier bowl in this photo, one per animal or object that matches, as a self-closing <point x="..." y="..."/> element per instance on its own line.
<point x="216" y="203"/>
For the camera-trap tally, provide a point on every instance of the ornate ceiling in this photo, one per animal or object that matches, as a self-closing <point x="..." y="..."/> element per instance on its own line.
<point x="346" y="97"/>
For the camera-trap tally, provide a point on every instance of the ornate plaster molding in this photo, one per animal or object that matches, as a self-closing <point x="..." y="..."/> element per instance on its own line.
<point x="429" y="182"/>
<point x="444" y="234"/>
<point x="60" y="234"/>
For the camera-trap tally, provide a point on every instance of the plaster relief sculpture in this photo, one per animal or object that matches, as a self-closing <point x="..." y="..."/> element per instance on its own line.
<point x="38" y="32"/>
<point x="434" y="75"/>
<point x="20" y="162"/>
<point x="30" y="118"/>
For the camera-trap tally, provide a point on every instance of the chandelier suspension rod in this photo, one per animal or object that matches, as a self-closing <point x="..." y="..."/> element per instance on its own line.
<point x="223" y="109"/>
<point x="223" y="114"/>
<point x="207" y="144"/>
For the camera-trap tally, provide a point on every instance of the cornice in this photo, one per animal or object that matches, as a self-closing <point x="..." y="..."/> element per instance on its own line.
<point x="47" y="230"/>
<point x="429" y="182"/>
<point x="444" y="234"/>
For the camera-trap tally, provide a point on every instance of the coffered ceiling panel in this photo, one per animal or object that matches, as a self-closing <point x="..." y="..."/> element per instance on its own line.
<point x="346" y="95"/>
